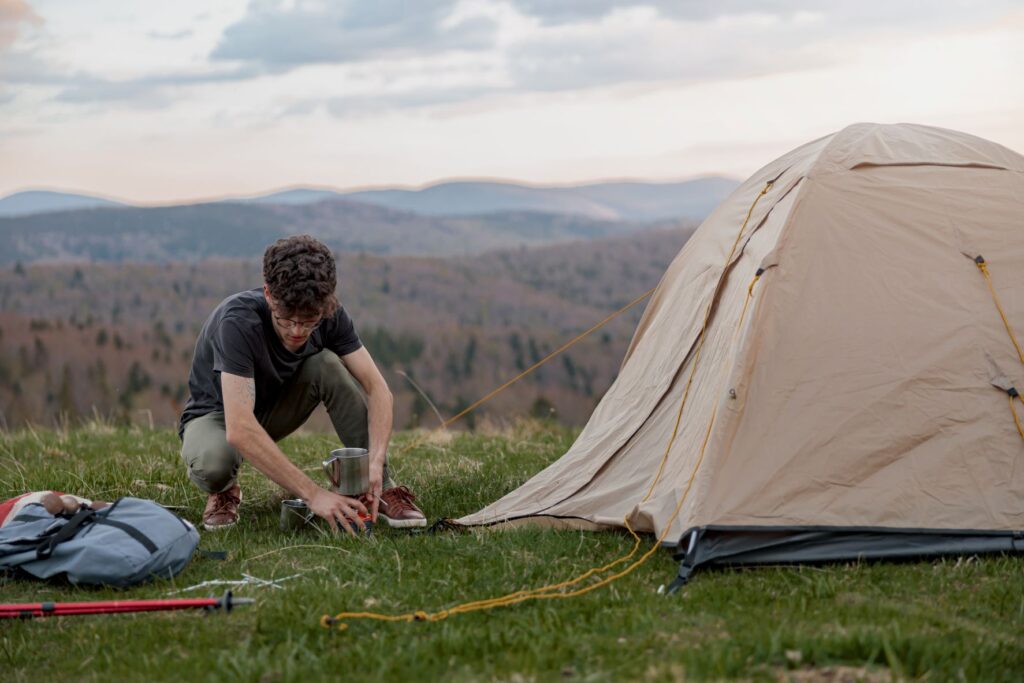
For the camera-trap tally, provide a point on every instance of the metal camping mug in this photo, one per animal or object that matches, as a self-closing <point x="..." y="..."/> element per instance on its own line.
<point x="295" y="514"/>
<point x="348" y="470"/>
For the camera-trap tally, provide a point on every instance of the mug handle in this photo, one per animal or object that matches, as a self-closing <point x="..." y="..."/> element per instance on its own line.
<point x="328" y="470"/>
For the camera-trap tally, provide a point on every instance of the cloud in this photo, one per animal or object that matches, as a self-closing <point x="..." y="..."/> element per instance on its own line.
<point x="13" y="15"/>
<point x="574" y="45"/>
<point x="579" y="44"/>
<point x="89" y="89"/>
<point x="277" y="34"/>
<point x="852" y="14"/>
<point x="171" y="35"/>
<point x="18" y="67"/>
<point x="576" y="11"/>
<point x="352" y="57"/>
<point x="364" y="105"/>
<point x="43" y="63"/>
<point x="643" y="46"/>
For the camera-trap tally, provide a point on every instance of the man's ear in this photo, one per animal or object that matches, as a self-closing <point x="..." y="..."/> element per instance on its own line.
<point x="266" y="292"/>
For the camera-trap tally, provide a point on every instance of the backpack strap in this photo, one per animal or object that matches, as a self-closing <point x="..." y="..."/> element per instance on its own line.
<point x="64" y="533"/>
<point x="142" y="538"/>
<point x="219" y="555"/>
<point x="30" y="518"/>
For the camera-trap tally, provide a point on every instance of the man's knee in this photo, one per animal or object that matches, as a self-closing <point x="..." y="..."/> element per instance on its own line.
<point x="213" y="469"/>
<point x="212" y="463"/>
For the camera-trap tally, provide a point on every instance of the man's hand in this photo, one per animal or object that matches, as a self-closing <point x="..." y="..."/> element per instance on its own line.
<point x="376" y="487"/>
<point x="380" y="409"/>
<point x="338" y="509"/>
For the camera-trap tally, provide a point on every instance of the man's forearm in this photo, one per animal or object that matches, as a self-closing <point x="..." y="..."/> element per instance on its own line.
<point x="380" y="408"/>
<point x="256" y="446"/>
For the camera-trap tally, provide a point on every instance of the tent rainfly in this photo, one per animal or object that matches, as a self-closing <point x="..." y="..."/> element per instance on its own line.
<point x="852" y="401"/>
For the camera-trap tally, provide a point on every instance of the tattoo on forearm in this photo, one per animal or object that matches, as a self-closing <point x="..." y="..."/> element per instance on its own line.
<point x="250" y="391"/>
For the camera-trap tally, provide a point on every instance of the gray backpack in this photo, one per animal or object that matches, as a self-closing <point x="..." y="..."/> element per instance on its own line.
<point x="131" y="541"/>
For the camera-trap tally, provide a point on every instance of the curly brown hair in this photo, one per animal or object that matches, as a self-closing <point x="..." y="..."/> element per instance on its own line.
<point x="301" y="275"/>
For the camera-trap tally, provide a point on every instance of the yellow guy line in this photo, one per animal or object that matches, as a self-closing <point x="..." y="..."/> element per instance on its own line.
<point x="527" y="371"/>
<point x="983" y="267"/>
<point x="549" y="592"/>
<point x="1016" y="418"/>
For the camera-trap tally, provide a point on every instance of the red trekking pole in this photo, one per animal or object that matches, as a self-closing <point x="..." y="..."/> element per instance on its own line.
<point x="29" y="610"/>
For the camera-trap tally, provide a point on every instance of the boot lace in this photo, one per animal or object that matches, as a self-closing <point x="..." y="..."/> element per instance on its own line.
<point x="225" y="501"/>
<point x="399" y="499"/>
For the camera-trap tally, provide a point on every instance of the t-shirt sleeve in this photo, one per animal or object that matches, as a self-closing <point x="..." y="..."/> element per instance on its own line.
<point x="232" y="349"/>
<point x="341" y="334"/>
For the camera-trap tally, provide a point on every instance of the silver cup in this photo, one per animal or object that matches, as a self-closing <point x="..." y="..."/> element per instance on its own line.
<point x="295" y="514"/>
<point x="348" y="470"/>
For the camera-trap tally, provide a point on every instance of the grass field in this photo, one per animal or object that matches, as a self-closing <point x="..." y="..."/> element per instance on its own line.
<point x="942" y="620"/>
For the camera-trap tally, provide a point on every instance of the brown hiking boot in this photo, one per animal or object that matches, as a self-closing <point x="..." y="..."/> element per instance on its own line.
<point x="222" y="509"/>
<point x="398" y="510"/>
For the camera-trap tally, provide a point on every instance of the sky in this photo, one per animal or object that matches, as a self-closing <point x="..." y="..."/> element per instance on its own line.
<point x="162" y="102"/>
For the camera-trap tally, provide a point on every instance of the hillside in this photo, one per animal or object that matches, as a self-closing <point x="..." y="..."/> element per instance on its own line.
<point x="119" y="337"/>
<point x="192" y="233"/>
<point x="623" y="201"/>
<point x="40" y="201"/>
<point x="628" y="201"/>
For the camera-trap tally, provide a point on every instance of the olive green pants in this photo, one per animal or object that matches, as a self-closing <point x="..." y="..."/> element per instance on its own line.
<point x="213" y="463"/>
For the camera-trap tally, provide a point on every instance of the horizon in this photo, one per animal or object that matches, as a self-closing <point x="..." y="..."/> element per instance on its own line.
<point x="231" y="99"/>
<point x="367" y="188"/>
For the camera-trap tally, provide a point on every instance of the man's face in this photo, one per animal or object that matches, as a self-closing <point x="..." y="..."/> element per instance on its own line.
<point x="293" y="329"/>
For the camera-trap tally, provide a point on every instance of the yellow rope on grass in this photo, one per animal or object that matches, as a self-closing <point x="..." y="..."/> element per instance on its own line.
<point x="540" y="593"/>
<point x="553" y="591"/>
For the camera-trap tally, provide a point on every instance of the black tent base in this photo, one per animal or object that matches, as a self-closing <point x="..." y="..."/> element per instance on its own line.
<point x="743" y="546"/>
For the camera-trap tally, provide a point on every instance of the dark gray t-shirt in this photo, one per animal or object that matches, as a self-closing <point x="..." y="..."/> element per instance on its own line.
<point x="239" y="338"/>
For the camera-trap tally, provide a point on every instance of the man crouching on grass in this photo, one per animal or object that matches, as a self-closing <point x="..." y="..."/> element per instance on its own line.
<point x="264" y="360"/>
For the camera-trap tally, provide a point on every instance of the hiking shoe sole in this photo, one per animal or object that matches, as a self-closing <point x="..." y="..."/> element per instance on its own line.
<point x="402" y="523"/>
<point x="218" y="527"/>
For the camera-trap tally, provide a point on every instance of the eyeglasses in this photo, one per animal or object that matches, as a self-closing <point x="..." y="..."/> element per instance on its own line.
<point x="307" y="326"/>
<point x="288" y="324"/>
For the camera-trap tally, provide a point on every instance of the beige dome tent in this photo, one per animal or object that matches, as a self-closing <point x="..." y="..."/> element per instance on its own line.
<point x="853" y="401"/>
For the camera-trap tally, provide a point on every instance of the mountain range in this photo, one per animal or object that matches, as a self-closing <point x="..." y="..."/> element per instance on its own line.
<point x="630" y="201"/>
<point x="225" y="230"/>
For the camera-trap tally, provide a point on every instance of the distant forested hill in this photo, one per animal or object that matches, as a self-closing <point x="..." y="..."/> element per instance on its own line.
<point x="39" y="201"/>
<point x="628" y="201"/>
<point x="117" y="339"/>
<point x="196" y="232"/>
<point x="622" y="201"/>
